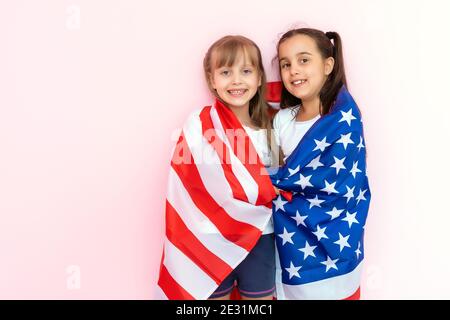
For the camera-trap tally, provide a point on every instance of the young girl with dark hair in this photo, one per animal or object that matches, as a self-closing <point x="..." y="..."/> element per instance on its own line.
<point x="320" y="230"/>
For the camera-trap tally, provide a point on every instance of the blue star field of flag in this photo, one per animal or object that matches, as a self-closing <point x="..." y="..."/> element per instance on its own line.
<point x="319" y="233"/>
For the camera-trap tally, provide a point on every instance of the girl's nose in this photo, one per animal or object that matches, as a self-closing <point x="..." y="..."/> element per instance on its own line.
<point x="294" y="71"/>
<point x="236" y="81"/>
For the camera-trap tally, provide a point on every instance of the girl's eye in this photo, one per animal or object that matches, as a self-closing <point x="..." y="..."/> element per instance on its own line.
<point x="225" y="72"/>
<point x="304" y="60"/>
<point x="247" y="71"/>
<point x="285" y="65"/>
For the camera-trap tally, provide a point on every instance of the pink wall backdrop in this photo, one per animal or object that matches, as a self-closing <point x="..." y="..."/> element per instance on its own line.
<point x="91" y="96"/>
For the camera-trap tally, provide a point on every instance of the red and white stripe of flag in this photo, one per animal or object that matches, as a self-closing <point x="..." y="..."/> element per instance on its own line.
<point x="217" y="205"/>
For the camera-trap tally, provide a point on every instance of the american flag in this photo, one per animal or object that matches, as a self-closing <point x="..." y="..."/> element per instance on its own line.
<point x="319" y="232"/>
<point x="218" y="203"/>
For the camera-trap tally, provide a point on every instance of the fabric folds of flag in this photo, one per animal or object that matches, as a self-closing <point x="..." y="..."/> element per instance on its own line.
<point x="320" y="231"/>
<point x="219" y="200"/>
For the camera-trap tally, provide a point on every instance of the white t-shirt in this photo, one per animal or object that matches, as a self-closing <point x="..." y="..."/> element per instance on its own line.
<point x="288" y="131"/>
<point x="259" y="141"/>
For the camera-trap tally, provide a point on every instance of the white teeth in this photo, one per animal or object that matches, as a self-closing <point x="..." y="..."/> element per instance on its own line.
<point x="236" y="92"/>
<point x="298" y="82"/>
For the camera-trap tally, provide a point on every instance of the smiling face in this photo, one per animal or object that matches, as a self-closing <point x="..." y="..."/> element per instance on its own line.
<point x="303" y="69"/>
<point x="235" y="83"/>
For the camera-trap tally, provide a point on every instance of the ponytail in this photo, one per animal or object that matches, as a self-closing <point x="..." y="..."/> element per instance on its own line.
<point x="337" y="78"/>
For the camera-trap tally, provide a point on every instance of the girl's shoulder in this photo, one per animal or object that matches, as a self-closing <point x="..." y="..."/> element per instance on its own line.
<point x="285" y="116"/>
<point x="194" y="116"/>
<point x="192" y="121"/>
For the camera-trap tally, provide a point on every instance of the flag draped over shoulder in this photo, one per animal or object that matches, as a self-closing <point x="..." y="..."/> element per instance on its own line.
<point x="320" y="230"/>
<point x="219" y="200"/>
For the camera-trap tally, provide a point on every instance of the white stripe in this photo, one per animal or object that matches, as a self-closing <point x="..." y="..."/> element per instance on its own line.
<point x="203" y="229"/>
<point x="187" y="274"/>
<point x="213" y="177"/>
<point x="275" y="105"/>
<point x="336" y="288"/>
<point x="159" y="294"/>
<point x="240" y="171"/>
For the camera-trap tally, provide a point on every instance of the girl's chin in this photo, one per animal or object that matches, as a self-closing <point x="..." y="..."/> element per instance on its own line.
<point x="237" y="103"/>
<point x="233" y="105"/>
<point x="300" y="93"/>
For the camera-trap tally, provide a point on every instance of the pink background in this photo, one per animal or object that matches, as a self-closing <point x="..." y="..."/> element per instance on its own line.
<point x="92" y="94"/>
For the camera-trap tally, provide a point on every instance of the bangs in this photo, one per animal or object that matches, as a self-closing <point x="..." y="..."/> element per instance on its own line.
<point x="227" y="53"/>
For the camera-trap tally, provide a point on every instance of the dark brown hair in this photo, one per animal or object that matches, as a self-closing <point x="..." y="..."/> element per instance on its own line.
<point x="327" y="49"/>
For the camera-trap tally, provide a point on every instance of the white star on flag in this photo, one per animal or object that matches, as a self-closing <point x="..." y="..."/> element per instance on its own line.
<point x="293" y="171"/>
<point x="355" y="169"/>
<point x="350" y="218"/>
<point x="347" y="117"/>
<point x="338" y="164"/>
<point x="330" y="263"/>
<point x="315" y="163"/>
<point x="307" y="250"/>
<point x="304" y="181"/>
<point x="320" y="233"/>
<point x="279" y="204"/>
<point x="299" y="219"/>
<point x="357" y="251"/>
<point x="293" y="271"/>
<point x="342" y="242"/>
<point x="321" y="145"/>
<point x="329" y="188"/>
<point x="315" y="202"/>
<point x="361" y="196"/>
<point x="349" y="193"/>
<point x="334" y="213"/>
<point x="286" y="236"/>
<point x="345" y="140"/>
<point x="360" y="145"/>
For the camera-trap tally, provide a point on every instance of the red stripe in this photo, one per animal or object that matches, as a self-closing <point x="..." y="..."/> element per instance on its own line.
<point x="242" y="234"/>
<point x="170" y="287"/>
<point x="286" y="194"/>
<point x="273" y="92"/>
<point x="215" y="267"/>
<point x="355" y="296"/>
<point x="230" y="123"/>
<point x="222" y="151"/>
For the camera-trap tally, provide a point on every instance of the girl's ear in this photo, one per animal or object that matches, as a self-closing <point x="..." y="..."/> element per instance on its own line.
<point x="260" y="80"/>
<point x="211" y="81"/>
<point x="329" y="65"/>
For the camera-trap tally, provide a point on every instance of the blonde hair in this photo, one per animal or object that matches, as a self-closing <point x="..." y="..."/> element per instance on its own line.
<point x="225" y="51"/>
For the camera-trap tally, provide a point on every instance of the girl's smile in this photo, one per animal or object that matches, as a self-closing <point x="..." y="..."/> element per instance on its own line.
<point x="303" y="70"/>
<point x="237" y="84"/>
<point x="237" y="92"/>
<point x="298" y="83"/>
